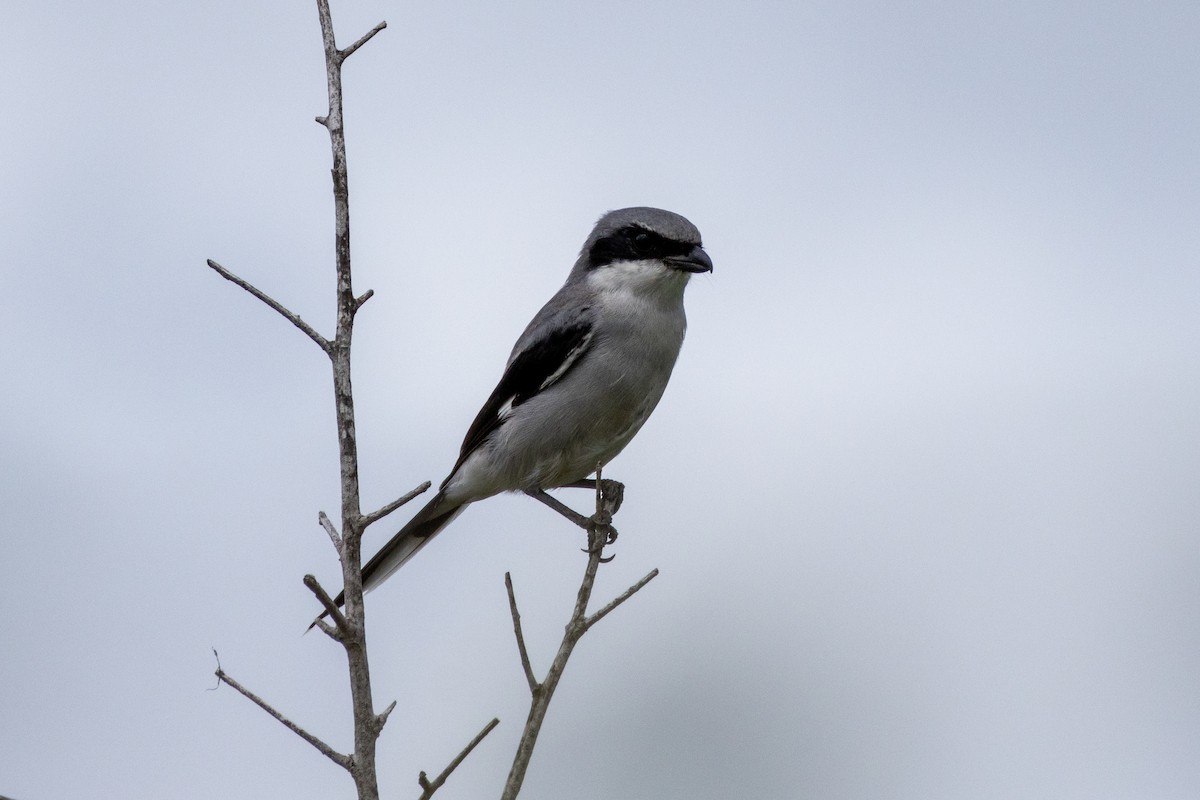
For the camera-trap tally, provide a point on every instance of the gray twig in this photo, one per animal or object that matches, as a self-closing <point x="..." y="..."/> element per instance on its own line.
<point x="516" y="618"/>
<point x="331" y="608"/>
<point x="334" y="536"/>
<point x="625" y="595"/>
<point x="431" y="786"/>
<point x="340" y="759"/>
<point x="382" y="719"/>
<point x="309" y="331"/>
<point x="375" y="516"/>
<point x="366" y="37"/>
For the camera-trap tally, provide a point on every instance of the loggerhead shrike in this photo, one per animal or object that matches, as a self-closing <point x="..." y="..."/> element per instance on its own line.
<point x="581" y="379"/>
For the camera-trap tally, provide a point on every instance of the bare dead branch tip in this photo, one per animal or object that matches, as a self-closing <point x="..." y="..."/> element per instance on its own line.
<point x="340" y="759"/>
<point x="308" y="330"/>
<point x="516" y="618"/>
<point x="375" y="516"/>
<point x="324" y="627"/>
<point x="331" y="608"/>
<point x="628" y="593"/>
<point x="366" y="37"/>
<point x="359" y="301"/>
<point x="382" y="719"/>
<point x="429" y="786"/>
<point x="334" y="536"/>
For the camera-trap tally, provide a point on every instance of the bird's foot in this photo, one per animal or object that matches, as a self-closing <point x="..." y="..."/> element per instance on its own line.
<point x="601" y="534"/>
<point x="611" y="493"/>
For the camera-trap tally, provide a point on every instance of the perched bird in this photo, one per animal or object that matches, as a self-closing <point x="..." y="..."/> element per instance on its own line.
<point x="581" y="379"/>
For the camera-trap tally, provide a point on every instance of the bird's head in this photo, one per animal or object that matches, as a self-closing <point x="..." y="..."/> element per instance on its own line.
<point x="642" y="245"/>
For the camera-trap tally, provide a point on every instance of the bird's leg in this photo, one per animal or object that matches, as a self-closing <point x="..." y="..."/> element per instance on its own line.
<point x="560" y="507"/>
<point x="601" y="522"/>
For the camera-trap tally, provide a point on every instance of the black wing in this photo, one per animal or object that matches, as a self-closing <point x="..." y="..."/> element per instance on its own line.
<point x="543" y="362"/>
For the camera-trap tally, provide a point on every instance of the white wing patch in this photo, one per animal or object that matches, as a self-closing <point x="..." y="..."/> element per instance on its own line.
<point x="571" y="358"/>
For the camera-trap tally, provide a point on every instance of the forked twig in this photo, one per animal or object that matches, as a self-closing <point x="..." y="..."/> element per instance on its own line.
<point x="600" y="533"/>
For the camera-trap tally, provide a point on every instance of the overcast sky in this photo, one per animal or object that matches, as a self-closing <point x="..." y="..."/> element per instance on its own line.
<point x="923" y="490"/>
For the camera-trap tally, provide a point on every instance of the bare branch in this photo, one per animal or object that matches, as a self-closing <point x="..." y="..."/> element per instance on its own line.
<point x="343" y="761"/>
<point x="324" y="627"/>
<point x="600" y="533"/>
<point x="359" y="301"/>
<point x="628" y="593"/>
<point x="382" y="719"/>
<point x="308" y="330"/>
<point x="331" y="607"/>
<point x="366" y="37"/>
<point x="334" y="536"/>
<point x="516" y="618"/>
<point x="349" y="626"/>
<point x="432" y="786"/>
<point x="375" y="516"/>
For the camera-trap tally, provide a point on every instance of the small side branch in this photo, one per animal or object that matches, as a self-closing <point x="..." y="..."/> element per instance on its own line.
<point x="308" y="330"/>
<point x="366" y="37"/>
<point x="625" y="595"/>
<point x="431" y="786"/>
<point x="382" y="719"/>
<point x="375" y="516"/>
<point x="331" y="608"/>
<point x="516" y="618"/>
<point x="342" y="760"/>
<point x="334" y="536"/>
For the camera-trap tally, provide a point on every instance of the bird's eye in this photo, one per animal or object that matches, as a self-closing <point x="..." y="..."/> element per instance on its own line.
<point x="641" y="241"/>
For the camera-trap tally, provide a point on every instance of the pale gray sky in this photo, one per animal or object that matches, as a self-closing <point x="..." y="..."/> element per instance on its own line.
<point x="923" y="490"/>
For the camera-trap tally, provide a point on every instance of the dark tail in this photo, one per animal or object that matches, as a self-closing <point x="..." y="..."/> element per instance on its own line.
<point x="427" y="523"/>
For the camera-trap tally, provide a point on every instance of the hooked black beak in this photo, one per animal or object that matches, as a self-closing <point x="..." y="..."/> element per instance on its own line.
<point x="695" y="261"/>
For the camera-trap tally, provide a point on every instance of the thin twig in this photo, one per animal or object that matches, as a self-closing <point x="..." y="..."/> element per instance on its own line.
<point x="516" y="618"/>
<point x="366" y="37"/>
<point x="331" y="608"/>
<point x="375" y="516"/>
<point x="429" y="786"/>
<point x="360" y="301"/>
<point x="342" y="760"/>
<point x="334" y="536"/>
<point x="628" y="593"/>
<point x="309" y="331"/>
